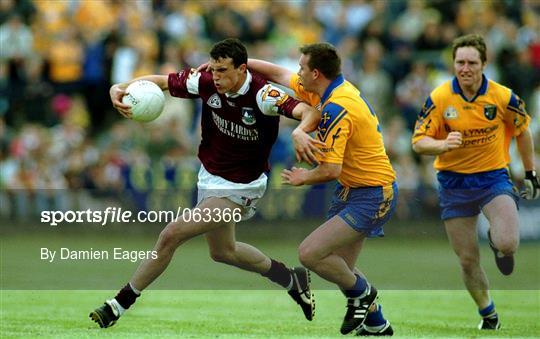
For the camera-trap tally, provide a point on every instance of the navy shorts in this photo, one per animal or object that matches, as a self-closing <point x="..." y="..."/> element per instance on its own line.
<point x="464" y="195"/>
<point x="365" y="209"/>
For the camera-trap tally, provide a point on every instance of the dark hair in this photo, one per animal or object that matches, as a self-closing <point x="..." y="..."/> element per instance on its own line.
<point x="323" y="56"/>
<point x="470" y="40"/>
<point x="230" y="48"/>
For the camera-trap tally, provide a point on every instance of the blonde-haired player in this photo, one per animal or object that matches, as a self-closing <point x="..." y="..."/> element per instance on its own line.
<point x="468" y="123"/>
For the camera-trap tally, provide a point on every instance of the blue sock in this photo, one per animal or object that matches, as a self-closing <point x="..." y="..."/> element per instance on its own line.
<point x="359" y="287"/>
<point x="375" y="318"/>
<point x="489" y="311"/>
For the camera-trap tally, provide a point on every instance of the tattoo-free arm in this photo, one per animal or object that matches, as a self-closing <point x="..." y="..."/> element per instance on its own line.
<point x="270" y="71"/>
<point x="430" y="146"/>
<point x="309" y="117"/>
<point x="531" y="182"/>
<point x="300" y="176"/>
<point x="526" y="149"/>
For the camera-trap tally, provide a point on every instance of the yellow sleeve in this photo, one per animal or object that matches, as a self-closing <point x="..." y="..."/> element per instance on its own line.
<point x="428" y="122"/>
<point x="334" y="130"/>
<point x="311" y="98"/>
<point x="516" y="118"/>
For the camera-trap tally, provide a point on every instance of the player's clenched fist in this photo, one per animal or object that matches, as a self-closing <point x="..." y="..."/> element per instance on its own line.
<point x="453" y="141"/>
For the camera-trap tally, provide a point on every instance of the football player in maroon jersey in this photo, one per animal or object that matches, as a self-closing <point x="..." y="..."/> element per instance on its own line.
<point x="240" y="118"/>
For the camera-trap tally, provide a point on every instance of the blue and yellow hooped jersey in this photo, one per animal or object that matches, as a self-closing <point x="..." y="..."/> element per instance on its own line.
<point x="350" y="129"/>
<point x="487" y="124"/>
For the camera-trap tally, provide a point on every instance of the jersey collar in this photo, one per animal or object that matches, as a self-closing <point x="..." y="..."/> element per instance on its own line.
<point x="333" y="85"/>
<point x="243" y="89"/>
<point x="481" y="91"/>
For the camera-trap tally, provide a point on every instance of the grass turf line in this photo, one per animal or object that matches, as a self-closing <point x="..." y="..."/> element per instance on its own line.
<point x="258" y="314"/>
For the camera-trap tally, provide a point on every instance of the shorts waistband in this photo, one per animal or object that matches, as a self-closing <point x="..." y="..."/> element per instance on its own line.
<point x="368" y="187"/>
<point x="344" y="191"/>
<point x="465" y="175"/>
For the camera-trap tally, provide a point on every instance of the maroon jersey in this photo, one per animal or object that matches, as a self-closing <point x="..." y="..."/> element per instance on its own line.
<point x="238" y="130"/>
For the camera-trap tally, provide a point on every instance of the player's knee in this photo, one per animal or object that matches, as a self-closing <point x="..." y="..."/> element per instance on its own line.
<point x="469" y="264"/>
<point x="170" y="237"/>
<point x="507" y="244"/>
<point x="307" y="256"/>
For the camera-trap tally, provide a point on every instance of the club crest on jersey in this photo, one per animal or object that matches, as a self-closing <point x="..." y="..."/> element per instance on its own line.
<point x="274" y="93"/>
<point x="214" y="101"/>
<point x="248" y="117"/>
<point x="490" y="111"/>
<point x="450" y="113"/>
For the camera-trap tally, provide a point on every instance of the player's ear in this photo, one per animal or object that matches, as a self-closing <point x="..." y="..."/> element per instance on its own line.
<point x="242" y="68"/>
<point x="316" y="73"/>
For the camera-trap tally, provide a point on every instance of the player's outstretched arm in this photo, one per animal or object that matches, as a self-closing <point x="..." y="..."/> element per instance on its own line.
<point x="309" y="117"/>
<point x="525" y="146"/>
<point x="300" y="176"/>
<point x="270" y="71"/>
<point x="117" y="92"/>
<point x="430" y="146"/>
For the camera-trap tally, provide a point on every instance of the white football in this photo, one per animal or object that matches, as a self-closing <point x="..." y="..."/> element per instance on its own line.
<point x="146" y="100"/>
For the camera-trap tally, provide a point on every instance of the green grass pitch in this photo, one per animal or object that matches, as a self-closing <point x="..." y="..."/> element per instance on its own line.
<point x="417" y="276"/>
<point x="257" y="314"/>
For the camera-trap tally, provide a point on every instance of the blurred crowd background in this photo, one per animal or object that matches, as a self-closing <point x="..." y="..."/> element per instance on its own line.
<point x="61" y="137"/>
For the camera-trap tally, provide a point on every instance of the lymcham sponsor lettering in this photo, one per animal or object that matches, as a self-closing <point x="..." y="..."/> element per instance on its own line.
<point x="473" y="132"/>
<point x="479" y="141"/>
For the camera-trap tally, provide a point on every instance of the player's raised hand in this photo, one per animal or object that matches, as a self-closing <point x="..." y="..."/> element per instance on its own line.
<point x="306" y="148"/>
<point x="532" y="186"/>
<point x="453" y="141"/>
<point x="294" y="176"/>
<point x="117" y="93"/>
<point x="204" y="67"/>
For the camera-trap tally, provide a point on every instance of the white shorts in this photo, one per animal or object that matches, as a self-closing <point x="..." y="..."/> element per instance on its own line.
<point x="245" y="195"/>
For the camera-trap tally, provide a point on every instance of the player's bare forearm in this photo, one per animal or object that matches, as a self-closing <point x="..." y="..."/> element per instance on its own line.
<point x="525" y="146"/>
<point x="309" y="117"/>
<point x="300" y="176"/>
<point x="430" y="146"/>
<point x="272" y="72"/>
<point x="323" y="173"/>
